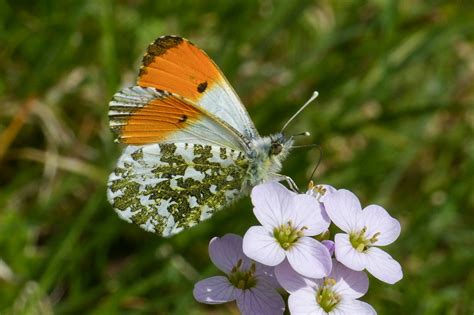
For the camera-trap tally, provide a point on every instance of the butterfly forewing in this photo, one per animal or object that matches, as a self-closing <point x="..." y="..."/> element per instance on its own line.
<point x="176" y="65"/>
<point x="165" y="188"/>
<point x="145" y="115"/>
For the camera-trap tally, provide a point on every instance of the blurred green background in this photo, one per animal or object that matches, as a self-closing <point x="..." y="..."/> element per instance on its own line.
<point x="394" y="120"/>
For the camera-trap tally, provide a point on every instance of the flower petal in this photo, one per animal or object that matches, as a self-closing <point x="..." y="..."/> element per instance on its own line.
<point x="347" y="254"/>
<point x="320" y="191"/>
<point x="303" y="302"/>
<point x="382" y="266"/>
<point x="350" y="283"/>
<point x="270" y="201"/>
<point x="226" y="251"/>
<point x="377" y="220"/>
<point x="260" y="245"/>
<point x="310" y="258"/>
<point x="267" y="274"/>
<point x="328" y="189"/>
<point x="261" y="299"/>
<point x="215" y="290"/>
<point x="349" y="307"/>
<point x="343" y="208"/>
<point x="305" y="211"/>
<point x="329" y="245"/>
<point x="292" y="281"/>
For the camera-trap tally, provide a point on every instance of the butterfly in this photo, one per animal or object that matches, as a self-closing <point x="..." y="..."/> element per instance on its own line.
<point x="191" y="147"/>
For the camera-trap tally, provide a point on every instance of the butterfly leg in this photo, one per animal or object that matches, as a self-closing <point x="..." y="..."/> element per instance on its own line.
<point x="291" y="183"/>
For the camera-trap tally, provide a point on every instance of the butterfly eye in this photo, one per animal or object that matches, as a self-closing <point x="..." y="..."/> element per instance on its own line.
<point x="276" y="148"/>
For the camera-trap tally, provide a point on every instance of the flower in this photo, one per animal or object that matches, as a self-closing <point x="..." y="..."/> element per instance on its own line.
<point x="335" y="294"/>
<point x="319" y="191"/>
<point x="365" y="229"/>
<point x="251" y="285"/>
<point x="288" y="222"/>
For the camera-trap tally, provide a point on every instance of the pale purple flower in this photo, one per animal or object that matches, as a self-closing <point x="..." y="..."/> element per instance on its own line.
<point x="336" y="293"/>
<point x="288" y="222"/>
<point x="365" y="230"/>
<point x="252" y="285"/>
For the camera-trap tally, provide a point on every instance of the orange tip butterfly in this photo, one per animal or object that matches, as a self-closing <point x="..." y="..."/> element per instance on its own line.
<point x="191" y="145"/>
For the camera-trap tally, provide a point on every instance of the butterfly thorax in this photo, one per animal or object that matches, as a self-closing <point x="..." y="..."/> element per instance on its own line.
<point x="267" y="155"/>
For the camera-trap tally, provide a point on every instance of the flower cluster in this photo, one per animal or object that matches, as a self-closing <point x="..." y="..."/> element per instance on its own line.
<point x="291" y="249"/>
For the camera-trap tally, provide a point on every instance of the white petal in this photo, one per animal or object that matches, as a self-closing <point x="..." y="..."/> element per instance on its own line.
<point x="351" y="307"/>
<point x="328" y="190"/>
<point x="261" y="299"/>
<point x="260" y="245"/>
<point x="343" y="208"/>
<point x="350" y="283"/>
<point x="303" y="302"/>
<point x="270" y="201"/>
<point x="215" y="290"/>
<point x="309" y="258"/>
<point x="377" y="220"/>
<point x="292" y="281"/>
<point x="347" y="254"/>
<point x="306" y="211"/>
<point x="316" y="191"/>
<point x="226" y="251"/>
<point x="382" y="266"/>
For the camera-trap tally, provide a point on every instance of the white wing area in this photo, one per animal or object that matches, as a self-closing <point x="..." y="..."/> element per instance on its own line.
<point x="206" y="129"/>
<point x="165" y="188"/>
<point x="222" y="101"/>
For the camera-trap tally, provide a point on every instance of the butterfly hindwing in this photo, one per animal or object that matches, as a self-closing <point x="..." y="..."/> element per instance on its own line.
<point x="165" y="188"/>
<point x="176" y="65"/>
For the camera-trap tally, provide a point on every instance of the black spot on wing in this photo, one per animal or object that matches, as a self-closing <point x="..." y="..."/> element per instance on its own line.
<point x="202" y="87"/>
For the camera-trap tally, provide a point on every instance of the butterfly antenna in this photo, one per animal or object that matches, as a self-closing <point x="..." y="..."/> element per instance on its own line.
<point x="312" y="98"/>
<point x="317" y="163"/>
<point x="305" y="146"/>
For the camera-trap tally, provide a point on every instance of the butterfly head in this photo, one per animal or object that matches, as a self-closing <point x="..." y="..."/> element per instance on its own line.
<point x="267" y="155"/>
<point x="279" y="146"/>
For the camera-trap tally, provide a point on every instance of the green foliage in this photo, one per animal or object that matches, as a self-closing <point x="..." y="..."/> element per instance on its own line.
<point x="394" y="120"/>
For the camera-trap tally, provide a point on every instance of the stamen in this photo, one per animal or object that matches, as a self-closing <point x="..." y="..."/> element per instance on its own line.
<point x="320" y="189"/>
<point x="326" y="297"/>
<point x="242" y="279"/>
<point x="361" y="242"/>
<point x="287" y="234"/>
<point x="374" y="238"/>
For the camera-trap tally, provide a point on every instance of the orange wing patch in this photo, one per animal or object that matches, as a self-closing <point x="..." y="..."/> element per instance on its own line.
<point x="176" y="65"/>
<point x="153" y="121"/>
